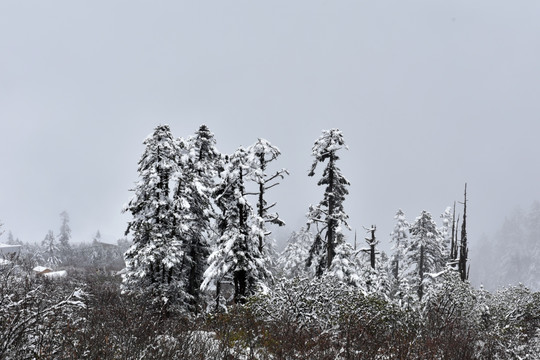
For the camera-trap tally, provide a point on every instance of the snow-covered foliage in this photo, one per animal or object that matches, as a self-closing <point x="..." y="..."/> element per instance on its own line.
<point x="330" y="319"/>
<point x="445" y="231"/>
<point x="64" y="236"/>
<point x="194" y="227"/>
<point x="259" y="156"/>
<point x="344" y="267"/>
<point x="400" y="243"/>
<point x="50" y="254"/>
<point x="237" y="252"/>
<point x="193" y="208"/>
<point x="34" y="315"/>
<point x="154" y="261"/>
<point x="329" y="215"/>
<point x="292" y="261"/>
<point x="424" y="254"/>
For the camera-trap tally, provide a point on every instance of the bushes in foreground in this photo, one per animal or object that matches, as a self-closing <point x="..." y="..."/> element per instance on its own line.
<point x="87" y="317"/>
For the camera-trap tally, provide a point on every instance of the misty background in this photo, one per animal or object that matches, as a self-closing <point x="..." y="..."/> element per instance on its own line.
<point x="429" y="95"/>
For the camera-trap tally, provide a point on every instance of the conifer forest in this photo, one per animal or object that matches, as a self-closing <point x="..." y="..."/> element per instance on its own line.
<point x="199" y="274"/>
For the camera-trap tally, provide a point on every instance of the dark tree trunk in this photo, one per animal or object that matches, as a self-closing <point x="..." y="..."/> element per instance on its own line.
<point x="372" y="247"/>
<point x="464" y="250"/>
<point x="240" y="276"/>
<point x="218" y="294"/>
<point x="421" y="273"/>
<point x="194" y="280"/>
<point x="240" y="286"/>
<point x="330" y="234"/>
<point x="261" y="214"/>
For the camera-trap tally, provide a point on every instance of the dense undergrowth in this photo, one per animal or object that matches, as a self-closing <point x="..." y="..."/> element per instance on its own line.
<point x="87" y="317"/>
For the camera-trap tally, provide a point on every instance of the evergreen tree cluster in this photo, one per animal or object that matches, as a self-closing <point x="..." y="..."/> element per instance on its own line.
<point x="200" y="237"/>
<point x="195" y="228"/>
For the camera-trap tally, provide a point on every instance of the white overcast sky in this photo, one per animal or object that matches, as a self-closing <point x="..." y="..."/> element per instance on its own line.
<point x="429" y="95"/>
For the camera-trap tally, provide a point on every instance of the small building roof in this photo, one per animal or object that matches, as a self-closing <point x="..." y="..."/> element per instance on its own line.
<point x="41" y="269"/>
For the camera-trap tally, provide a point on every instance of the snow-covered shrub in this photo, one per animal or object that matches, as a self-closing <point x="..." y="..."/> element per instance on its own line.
<point x="37" y="315"/>
<point x="339" y="320"/>
<point x="510" y="324"/>
<point x="450" y="317"/>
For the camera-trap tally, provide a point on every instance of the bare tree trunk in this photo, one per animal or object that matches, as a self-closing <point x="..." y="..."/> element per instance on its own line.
<point x="464" y="250"/>
<point x="372" y="247"/>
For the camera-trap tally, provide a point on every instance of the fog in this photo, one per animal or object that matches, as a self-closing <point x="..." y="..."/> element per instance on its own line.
<point x="429" y="95"/>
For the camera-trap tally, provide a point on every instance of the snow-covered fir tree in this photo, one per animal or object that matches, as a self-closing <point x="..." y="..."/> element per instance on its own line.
<point x="344" y="266"/>
<point x="97" y="238"/>
<point x="292" y="261"/>
<point x="447" y="223"/>
<point x="12" y="241"/>
<point x="154" y="261"/>
<point x="193" y="209"/>
<point x="50" y="250"/>
<point x="399" y="239"/>
<point x="424" y="252"/>
<point x="328" y="216"/>
<point x="237" y="253"/>
<point x="64" y="236"/>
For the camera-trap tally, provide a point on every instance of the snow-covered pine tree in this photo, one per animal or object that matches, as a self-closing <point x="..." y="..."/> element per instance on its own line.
<point x="98" y="254"/>
<point x="292" y="261"/>
<point x="447" y="222"/>
<point x="260" y="155"/>
<point x="328" y="216"/>
<point x="399" y="239"/>
<point x="344" y="267"/>
<point x="154" y="261"/>
<point x="97" y="238"/>
<point x="64" y="236"/>
<point x="237" y="251"/>
<point x="50" y="250"/>
<point x="424" y="252"/>
<point x="193" y="207"/>
<point x="10" y="239"/>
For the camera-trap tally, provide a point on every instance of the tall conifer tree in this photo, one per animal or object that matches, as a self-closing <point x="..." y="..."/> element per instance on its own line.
<point x="154" y="261"/>
<point x="193" y="205"/>
<point x="424" y="250"/>
<point x="328" y="216"/>
<point x="64" y="236"/>
<point x="237" y="252"/>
